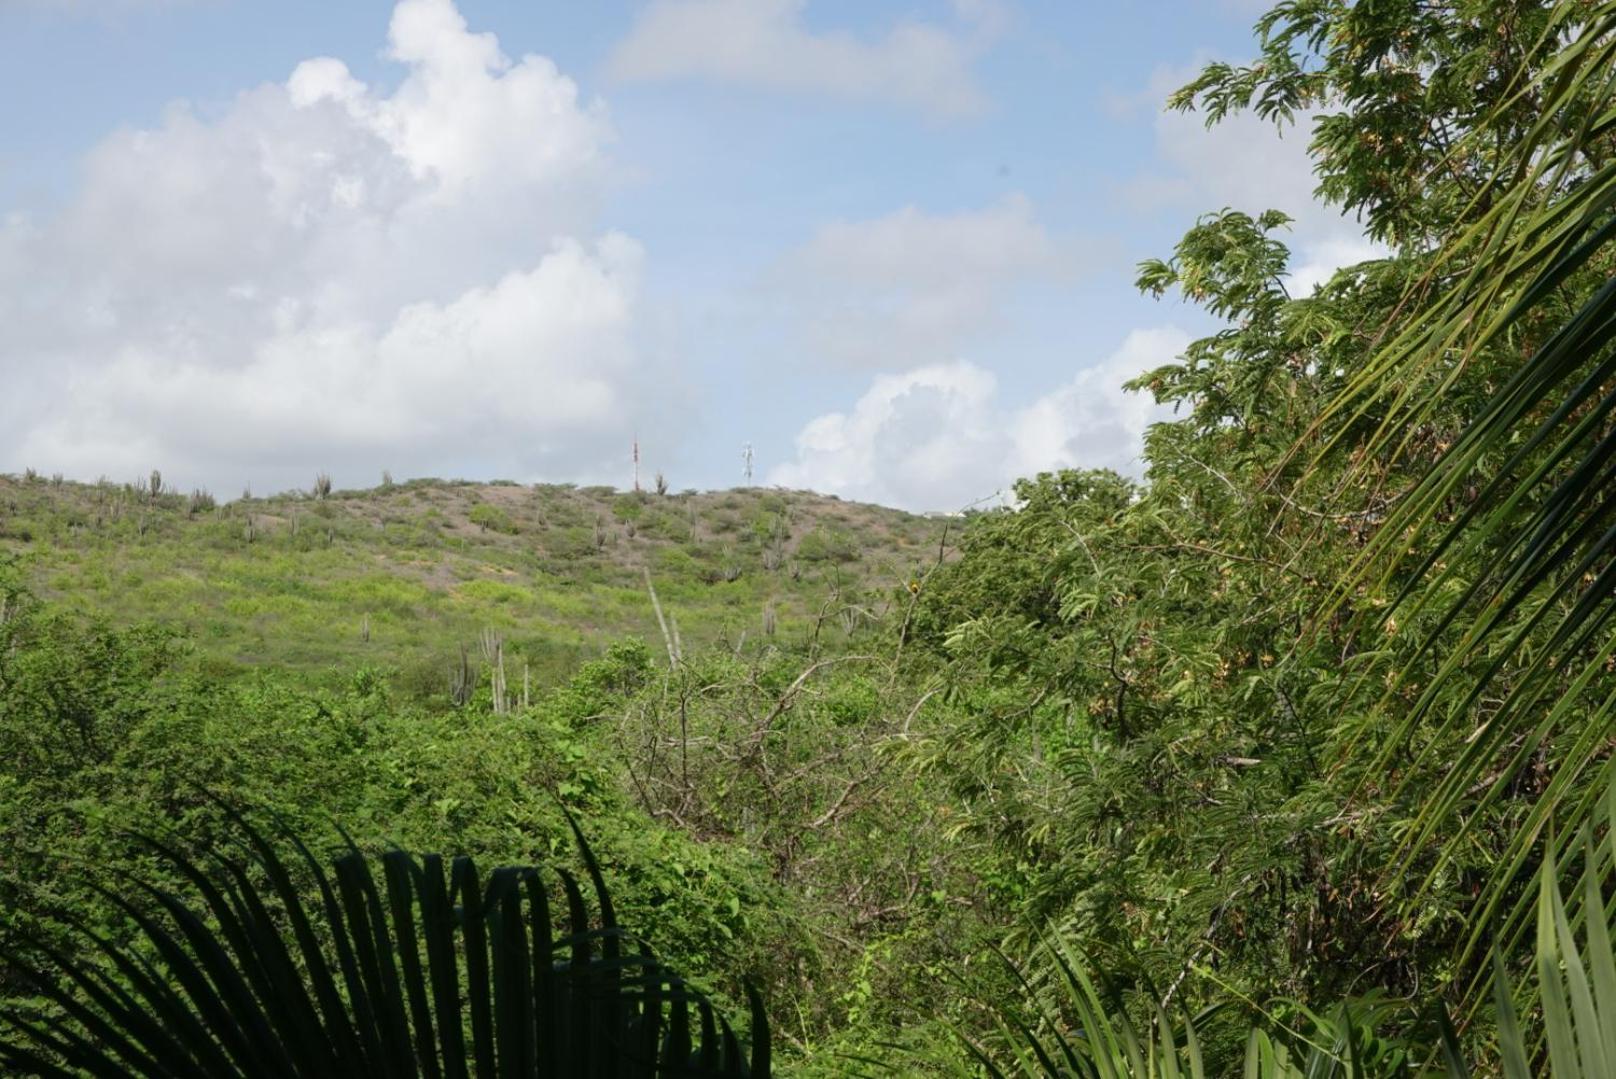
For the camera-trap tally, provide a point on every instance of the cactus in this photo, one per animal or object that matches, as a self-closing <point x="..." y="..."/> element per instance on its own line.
<point x="493" y="649"/>
<point x="462" y="681"/>
<point x="774" y="548"/>
<point x="322" y="485"/>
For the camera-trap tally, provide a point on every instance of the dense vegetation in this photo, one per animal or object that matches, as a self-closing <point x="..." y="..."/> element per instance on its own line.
<point x="1294" y="754"/>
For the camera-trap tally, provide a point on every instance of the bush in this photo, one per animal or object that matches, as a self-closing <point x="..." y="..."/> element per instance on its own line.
<point x="675" y="562"/>
<point x="629" y="507"/>
<point x="828" y="545"/>
<point x="492" y="518"/>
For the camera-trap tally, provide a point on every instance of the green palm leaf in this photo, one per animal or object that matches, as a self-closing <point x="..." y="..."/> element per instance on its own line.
<point x="416" y="970"/>
<point x="1505" y="547"/>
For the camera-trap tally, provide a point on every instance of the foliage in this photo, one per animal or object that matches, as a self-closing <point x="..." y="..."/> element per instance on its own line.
<point x="1076" y="1028"/>
<point x="1303" y="710"/>
<point x="1394" y="89"/>
<point x="1303" y="727"/>
<point x="489" y="516"/>
<point x="747" y="902"/>
<point x="290" y="583"/>
<point x="412" y="966"/>
<point x="1501" y="545"/>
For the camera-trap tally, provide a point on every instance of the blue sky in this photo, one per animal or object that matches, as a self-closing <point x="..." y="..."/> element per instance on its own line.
<point x="888" y="244"/>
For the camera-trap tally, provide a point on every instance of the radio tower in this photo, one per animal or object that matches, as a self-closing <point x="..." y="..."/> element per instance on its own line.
<point x="636" y="464"/>
<point x="746" y="463"/>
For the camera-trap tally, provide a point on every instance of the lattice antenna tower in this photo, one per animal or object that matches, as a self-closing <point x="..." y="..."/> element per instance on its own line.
<point x="636" y="464"/>
<point x="746" y="463"/>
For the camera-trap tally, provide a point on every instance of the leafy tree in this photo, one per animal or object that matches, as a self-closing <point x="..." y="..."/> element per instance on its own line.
<point x="1394" y="89"/>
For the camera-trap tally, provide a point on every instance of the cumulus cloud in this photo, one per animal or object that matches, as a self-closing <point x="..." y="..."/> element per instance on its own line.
<point x="766" y="43"/>
<point x="939" y="437"/>
<point x="1091" y="422"/>
<point x="925" y="439"/>
<point x="896" y="290"/>
<point x="526" y="372"/>
<point x="1321" y="258"/>
<point x="326" y="275"/>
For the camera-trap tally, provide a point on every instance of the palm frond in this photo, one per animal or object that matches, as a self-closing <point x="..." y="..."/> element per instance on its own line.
<point x="400" y="966"/>
<point x="1505" y="546"/>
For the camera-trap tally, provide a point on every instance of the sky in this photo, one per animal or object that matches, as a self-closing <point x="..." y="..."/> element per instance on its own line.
<point x="889" y="246"/>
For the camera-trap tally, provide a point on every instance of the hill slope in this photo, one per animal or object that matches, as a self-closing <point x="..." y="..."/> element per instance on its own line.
<point x="404" y="576"/>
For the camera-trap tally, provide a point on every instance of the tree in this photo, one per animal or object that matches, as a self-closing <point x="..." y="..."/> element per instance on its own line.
<point x="1475" y="426"/>
<point x="1395" y="90"/>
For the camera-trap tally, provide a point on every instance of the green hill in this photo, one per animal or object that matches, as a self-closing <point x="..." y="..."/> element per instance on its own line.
<point x="406" y="575"/>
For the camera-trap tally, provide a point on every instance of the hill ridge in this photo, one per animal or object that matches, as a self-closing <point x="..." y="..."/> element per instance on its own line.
<point x="405" y="573"/>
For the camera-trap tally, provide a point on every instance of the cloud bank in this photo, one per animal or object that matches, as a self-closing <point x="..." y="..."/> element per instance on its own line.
<point x="938" y="437"/>
<point x="325" y="276"/>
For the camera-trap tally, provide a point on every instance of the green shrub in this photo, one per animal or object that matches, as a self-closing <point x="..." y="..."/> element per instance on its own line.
<point x="493" y="518"/>
<point x="629" y="507"/>
<point x="828" y="545"/>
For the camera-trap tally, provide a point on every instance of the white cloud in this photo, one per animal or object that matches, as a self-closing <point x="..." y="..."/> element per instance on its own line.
<point x="1244" y="161"/>
<point x="1322" y="258"/>
<point x="765" y="43"/>
<point x="531" y="369"/>
<point x="1091" y="422"/>
<point x="926" y="439"/>
<point x="897" y="290"/>
<point x="938" y="437"/>
<point x="324" y="275"/>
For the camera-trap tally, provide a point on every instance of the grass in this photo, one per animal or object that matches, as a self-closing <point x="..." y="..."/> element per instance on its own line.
<point x="402" y="576"/>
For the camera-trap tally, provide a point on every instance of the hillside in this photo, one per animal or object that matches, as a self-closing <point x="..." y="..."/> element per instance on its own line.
<point x="405" y="575"/>
<point x="1294" y="756"/>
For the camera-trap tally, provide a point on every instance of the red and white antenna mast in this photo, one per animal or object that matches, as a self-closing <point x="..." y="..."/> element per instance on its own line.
<point x="636" y="463"/>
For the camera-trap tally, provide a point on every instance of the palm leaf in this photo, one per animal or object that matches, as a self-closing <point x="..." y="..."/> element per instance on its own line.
<point x="403" y="960"/>
<point x="1505" y="547"/>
